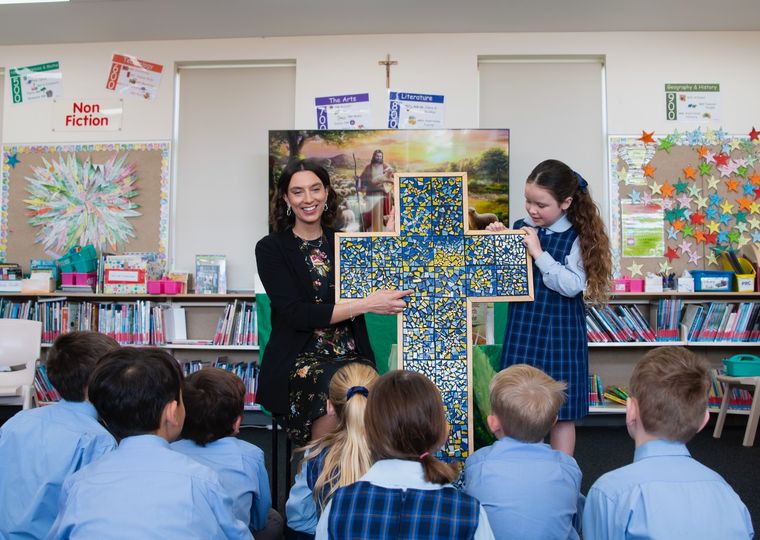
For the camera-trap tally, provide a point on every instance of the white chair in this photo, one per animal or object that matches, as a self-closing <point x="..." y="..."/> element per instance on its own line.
<point x="19" y="350"/>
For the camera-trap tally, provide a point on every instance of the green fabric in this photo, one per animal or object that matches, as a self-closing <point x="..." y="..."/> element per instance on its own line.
<point x="383" y="335"/>
<point x="485" y="364"/>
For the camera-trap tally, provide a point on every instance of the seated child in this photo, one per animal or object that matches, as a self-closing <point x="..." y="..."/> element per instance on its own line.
<point x="47" y="444"/>
<point x="665" y="493"/>
<point x="143" y="489"/>
<point x="407" y="493"/>
<point x="337" y="459"/>
<point x="528" y="489"/>
<point x="214" y="402"/>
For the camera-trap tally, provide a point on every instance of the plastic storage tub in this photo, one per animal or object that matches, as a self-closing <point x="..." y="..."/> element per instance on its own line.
<point x="742" y="365"/>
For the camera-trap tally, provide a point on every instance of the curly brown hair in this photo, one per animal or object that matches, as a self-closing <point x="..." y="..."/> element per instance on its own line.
<point x="280" y="220"/>
<point x="562" y="182"/>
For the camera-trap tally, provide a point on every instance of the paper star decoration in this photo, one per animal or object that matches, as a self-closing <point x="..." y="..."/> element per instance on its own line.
<point x="13" y="160"/>
<point x="744" y="204"/>
<point x="684" y="200"/>
<point x="711" y="238"/>
<point x="753" y="135"/>
<point x="697" y="218"/>
<point x="667" y="203"/>
<point x="635" y="196"/>
<point x="711" y="259"/>
<point x="754" y="222"/>
<point x="713" y="227"/>
<point x="646" y="198"/>
<point x="685" y="246"/>
<point x="699" y="236"/>
<point x="635" y="270"/>
<point x="666" y="144"/>
<point x="672" y="233"/>
<point x="742" y="241"/>
<point x="648" y="170"/>
<point x="690" y="172"/>
<point x="681" y="186"/>
<point x="733" y="236"/>
<point x="655" y="187"/>
<point x="732" y="185"/>
<point x="702" y="151"/>
<point x="726" y="206"/>
<point x="756" y="237"/>
<point x="712" y="182"/>
<point x="688" y="230"/>
<point x="700" y="202"/>
<point x="646" y="138"/>
<point x="667" y="190"/>
<point x="665" y="267"/>
<point x="755" y="179"/>
<point x="671" y="254"/>
<point x="694" y="258"/>
<point x="721" y="160"/>
<point x="705" y="168"/>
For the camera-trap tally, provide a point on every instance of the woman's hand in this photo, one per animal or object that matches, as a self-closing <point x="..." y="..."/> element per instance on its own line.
<point x="496" y="226"/>
<point x="532" y="242"/>
<point x="386" y="302"/>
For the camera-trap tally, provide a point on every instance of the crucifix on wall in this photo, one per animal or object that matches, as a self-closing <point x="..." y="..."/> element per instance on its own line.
<point x="388" y="63"/>
<point x="447" y="266"/>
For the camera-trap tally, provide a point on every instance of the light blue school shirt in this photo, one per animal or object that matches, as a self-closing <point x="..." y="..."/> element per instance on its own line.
<point x="39" y="449"/>
<point x="301" y="508"/>
<point x="528" y="490"/>
<point x="241" y="469"/>
<point x="145" y="490"/>
<point x="567" y="277"/>
<point x="667" y="494"/>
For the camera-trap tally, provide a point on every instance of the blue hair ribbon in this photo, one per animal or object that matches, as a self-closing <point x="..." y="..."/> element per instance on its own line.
<point x="582" y="184"/>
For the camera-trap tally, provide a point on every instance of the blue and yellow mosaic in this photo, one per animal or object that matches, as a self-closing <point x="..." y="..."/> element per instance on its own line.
<point x="444" y="266"/>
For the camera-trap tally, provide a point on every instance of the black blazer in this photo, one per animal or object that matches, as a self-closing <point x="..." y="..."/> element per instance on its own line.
<point x="286" y="279"/>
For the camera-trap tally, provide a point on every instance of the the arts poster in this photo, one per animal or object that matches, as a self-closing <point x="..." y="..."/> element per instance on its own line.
<point x="350" y="111"/>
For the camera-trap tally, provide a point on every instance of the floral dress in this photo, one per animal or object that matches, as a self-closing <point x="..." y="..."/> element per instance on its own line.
<point x="326" y="352"/>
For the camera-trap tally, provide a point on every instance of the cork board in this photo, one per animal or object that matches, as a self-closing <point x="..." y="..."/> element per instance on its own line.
<point x="680" y="199"/>
<point x="114" y="196"/>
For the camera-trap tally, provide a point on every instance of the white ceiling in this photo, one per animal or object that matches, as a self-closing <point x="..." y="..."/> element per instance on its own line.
<point x="139" y="20"/>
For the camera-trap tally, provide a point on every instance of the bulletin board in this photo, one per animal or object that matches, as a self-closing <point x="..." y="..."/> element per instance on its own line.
<point x="114" y="196"/>
<point x="681" y="198"/>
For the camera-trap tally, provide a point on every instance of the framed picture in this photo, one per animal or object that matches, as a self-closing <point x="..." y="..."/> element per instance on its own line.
<point x="210" y="274"/>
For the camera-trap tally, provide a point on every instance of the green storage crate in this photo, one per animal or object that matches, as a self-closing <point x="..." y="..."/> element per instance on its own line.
<point x="742" y="365"/>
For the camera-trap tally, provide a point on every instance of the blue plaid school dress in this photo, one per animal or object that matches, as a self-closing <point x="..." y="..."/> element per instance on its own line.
<point x="364" y="511"/>
<point x="550" y="332"/>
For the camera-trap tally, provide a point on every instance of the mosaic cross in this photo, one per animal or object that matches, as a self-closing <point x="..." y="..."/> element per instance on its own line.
<point x="448" y="267"/>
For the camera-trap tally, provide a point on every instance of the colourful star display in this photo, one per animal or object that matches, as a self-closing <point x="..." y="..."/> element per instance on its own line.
<point x="447" y="267"/>
<point x="702" y="186"/>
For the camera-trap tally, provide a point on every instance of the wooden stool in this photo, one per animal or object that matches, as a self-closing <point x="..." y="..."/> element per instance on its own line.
<point x="746" y="383"/>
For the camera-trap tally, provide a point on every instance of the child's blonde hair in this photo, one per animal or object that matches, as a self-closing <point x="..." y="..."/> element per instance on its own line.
<point x="671" y="386"/>
<point x="405" y="420"/>
<point x="526" y="401"/>
<point x="563" y="182"/>
<point x="348" y="456"/>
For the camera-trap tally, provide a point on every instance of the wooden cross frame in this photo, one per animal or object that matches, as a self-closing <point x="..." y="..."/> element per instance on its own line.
<point x="448" y="267"/>
<point x="387" y="63"/>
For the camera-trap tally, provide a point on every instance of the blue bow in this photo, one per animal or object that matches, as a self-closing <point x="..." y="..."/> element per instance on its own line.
<point x="582" y="184"/>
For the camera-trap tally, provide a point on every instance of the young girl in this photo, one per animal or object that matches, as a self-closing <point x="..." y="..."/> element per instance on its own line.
<point x="407" y="492"/>
<point x="565" y="236"/>
<point x="337" y="459"/>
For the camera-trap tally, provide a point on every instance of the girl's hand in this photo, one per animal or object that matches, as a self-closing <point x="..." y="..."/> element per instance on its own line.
<point x="386" y="301"/>
<point x="532" y="242"/>
<point x="496" y="226"/>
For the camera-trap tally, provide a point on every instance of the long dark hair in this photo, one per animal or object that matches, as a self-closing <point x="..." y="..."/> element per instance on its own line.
<point x="405" y="420"/>
<point x="562" y="182"/>
<point x="280" y="220"/>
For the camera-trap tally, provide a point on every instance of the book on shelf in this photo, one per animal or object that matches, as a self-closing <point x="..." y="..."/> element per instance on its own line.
<point x="247" y="371"/>
<point x="210" y="274"/>
<point x="740" y="399"/>
<point x="237" y="325"/>
<point x="605" y="396"/>
<point x="43" y="388"/>
<point x="175" y="323"/>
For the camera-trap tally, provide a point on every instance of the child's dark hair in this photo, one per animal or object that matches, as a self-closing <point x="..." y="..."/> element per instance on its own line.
<point x="72" y="358"/>
<point x="280" y="220"/>
<point x="405" y="420"/>
<point x="671" y="386"/>
<point x="562" y="182"/>
<point x="214" y="399"/>
<point x="130" y="388"/>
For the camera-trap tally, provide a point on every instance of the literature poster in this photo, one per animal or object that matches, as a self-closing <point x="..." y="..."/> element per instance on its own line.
<point x="642" y="229"/>
<point x="132" y="76"/>
<point x="362" y="164"/>
<point x="36" y="83"/>
<point x="692" y="102"/>
<point x="113" y="196"/>
<point x="343" y="112"/>
<point x="407" y="110"/>
<point x="681" y="199"/>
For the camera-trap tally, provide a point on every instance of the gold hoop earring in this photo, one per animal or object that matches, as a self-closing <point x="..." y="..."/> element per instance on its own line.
<point x="288" y="211"/>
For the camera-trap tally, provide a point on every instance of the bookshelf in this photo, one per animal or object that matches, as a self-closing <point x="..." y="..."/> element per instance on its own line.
<point x="614" y="360"/>
<point x="144" y="324"/>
